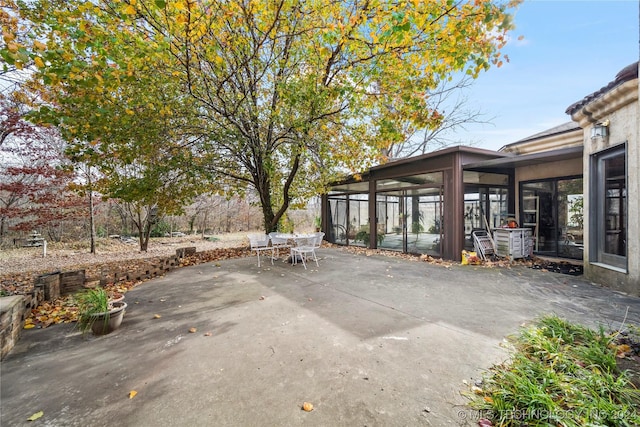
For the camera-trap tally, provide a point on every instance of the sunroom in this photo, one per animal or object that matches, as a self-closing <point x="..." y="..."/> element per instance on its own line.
<point x="422" y="205"/>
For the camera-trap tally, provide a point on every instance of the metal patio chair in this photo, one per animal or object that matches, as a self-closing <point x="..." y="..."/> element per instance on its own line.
<point x="260" y="243"/>
<point x="306" y="248"/>
<point x="278" y="242"/>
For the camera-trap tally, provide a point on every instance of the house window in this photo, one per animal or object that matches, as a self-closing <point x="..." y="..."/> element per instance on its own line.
<point x="609" y="198"/>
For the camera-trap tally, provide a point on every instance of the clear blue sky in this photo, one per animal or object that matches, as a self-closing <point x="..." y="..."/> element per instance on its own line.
<point x="570" y="50"/>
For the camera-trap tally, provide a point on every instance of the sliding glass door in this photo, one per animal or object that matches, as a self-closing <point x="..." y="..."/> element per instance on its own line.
<point x="553" y="210"/>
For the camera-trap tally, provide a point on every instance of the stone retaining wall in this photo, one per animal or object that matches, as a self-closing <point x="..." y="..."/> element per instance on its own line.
<point x="11" y="314"/>
<point x="152" y="269"/>
<point x="14" y="309"/>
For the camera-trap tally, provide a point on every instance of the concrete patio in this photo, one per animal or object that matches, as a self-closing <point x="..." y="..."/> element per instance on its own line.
<point x="369" y="340"/>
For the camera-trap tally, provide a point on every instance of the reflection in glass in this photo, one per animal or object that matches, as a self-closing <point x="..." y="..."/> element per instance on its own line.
<point x="615" y="206"/>
<point x="476" y="214"/>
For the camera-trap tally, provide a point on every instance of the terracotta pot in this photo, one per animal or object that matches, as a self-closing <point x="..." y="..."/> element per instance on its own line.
<point x="104" y="323"/>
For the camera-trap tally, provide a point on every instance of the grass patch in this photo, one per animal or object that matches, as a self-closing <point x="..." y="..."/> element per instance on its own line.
<point x="560" y="374"/>
<point x="91" y="302"/>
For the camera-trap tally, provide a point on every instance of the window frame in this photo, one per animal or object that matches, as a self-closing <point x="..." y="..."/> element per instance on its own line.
<point x="597" y="198"/>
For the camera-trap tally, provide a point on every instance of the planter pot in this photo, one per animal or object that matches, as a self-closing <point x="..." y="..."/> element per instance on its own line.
<point x="104" y="323"/>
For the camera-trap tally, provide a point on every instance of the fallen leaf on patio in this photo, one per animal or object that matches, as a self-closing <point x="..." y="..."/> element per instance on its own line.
<point x="192" y="330"/>
<point x="35" y="416"/>
<point x="132" y="394"/>
<point x="621" y="350"/>
<point x="307" y="406"/>
<point x="65" y="310"/>
<point x="156" y="316"/>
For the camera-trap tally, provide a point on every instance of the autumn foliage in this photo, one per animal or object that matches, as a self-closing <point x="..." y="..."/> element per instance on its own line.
<point x="169" y="99"/>
<point x="35" y="178"/>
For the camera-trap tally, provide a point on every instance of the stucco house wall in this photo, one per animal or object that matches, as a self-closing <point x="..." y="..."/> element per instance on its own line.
<point x="618" y="105"/>
<point x="549" y="170"/>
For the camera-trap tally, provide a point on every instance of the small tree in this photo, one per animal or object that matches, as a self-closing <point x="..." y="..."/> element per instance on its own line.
<point x="35" y="177"/>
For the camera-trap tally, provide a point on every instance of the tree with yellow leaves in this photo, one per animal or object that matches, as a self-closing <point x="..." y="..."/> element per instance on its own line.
<point x="285" y="95"/>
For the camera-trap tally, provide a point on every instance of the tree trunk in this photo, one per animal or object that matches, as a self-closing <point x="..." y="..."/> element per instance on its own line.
<point x="192" y="221"/>
<point x="142" y="230"/>
<point x="144" y="237"/>
<point x="263" y="185"/>
<point x="228" y="218"/>
<point x="269" y="224"/>
<point x="92" y="225"/>
<point x="204" y="222"/>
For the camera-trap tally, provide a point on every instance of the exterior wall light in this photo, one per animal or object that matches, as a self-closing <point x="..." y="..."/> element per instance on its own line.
<point x="600" y="130"/>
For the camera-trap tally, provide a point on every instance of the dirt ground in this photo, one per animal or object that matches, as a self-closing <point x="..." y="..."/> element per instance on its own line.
<point x="19" y="266"/>
<point x="62" y="256"/>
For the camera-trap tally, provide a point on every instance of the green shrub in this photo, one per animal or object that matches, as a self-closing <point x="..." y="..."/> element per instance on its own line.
<point x="364" y="236"/>
<point x="160" y="228"/>
<point x="101" y="231"/>
<point x="560" y="374"/>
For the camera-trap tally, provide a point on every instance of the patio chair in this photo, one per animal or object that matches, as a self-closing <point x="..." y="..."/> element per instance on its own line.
<point x="278" y="243"/>
<point x="319" y="238"/>
<point x="260" y="243"/>
<point x="306" y="248"/>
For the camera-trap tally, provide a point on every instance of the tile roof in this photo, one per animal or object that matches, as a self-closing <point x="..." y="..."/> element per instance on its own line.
<point x="563" y="128"/>
<point x="628" y="73"/>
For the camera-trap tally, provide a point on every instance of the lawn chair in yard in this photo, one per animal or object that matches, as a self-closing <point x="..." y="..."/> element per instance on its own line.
<point x="305" y="248"/>
<point x="260" y="243"/>
<point x="278" y="243"/>
<point x="483" y="244"/>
